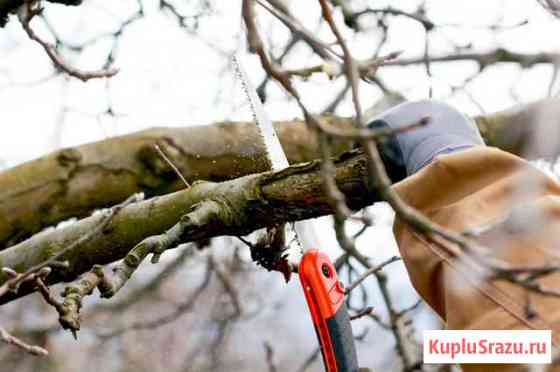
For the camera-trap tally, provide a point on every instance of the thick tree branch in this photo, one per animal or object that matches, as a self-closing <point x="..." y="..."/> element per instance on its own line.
<point x="73" y="182"/>
<point x="521" y="129"/>
<point x="240" y="206"/>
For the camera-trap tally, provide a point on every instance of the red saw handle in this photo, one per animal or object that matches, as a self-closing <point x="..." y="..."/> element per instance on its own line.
<point x="325" y="297"/>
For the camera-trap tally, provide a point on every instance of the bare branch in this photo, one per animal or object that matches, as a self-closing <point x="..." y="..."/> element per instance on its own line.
<point x="366" y="311"/>
<point x="270" y="357"/>
<point x="17" y="279"/>
<point x="202" y="215"/>
<point x="484" y="59"/>
<point x="30" y="9"/>
<point x="183" y="307"/>
<point x="12" y="340"/>
<point x="371" y="271"/>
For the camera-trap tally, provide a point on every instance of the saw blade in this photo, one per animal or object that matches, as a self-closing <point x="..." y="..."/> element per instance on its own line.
<point x="305" y="233"/>
<point x="275" y="152"/>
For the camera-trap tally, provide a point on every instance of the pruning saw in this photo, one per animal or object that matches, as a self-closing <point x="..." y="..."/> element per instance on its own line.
<point x="323" y="290"/>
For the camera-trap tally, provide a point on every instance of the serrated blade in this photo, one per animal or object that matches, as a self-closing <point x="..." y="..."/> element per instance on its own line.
<point x="275" y="152"/>
<point x="305" y="232"/>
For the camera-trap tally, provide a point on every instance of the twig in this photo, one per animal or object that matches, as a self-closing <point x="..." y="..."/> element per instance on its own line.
<point x="332" y="69"/>
<point x="108" y="285"/>
<point x="320" y="48"/>
<point x="30" y="9"/>
<point x="309" y="361"/>
<point x="409" y="309"/>
<point x="352" y="71"/>
<point x="371" y="271"/>
<point x="426" y="23"/>
<point x="270" y="357"/>
<point x="484" y="59"/>
<point x="229" y="287"/>
<point x="170" y="163"/>
<point x="371" y="134"/>
<point x="183" y="307"/>
<point x="336" y="197"/>
<point x="47" y="295"/>
<point x="367" y="311"/>
<point x="12" y="340"/>
<point x="256" y="45"/>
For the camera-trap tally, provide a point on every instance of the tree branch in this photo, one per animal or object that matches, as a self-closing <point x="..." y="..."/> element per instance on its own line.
<point x="31" y="349"/>
<point x="239" y="206"/>
<point x="76" y="181"/>
<point x="484" y="59"/>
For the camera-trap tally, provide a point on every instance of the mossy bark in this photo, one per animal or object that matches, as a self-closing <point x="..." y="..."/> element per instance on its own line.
<point x="246" y="204"/>
<point x="73" y="182"/>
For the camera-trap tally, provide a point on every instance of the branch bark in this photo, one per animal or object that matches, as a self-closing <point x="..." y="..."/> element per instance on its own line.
<point x="485" y="59"/>
<point x="75" y="181"/>
<point x="245" y="204"/>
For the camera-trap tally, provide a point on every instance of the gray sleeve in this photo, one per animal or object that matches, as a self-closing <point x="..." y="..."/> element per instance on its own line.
<point x="447" y="131"/>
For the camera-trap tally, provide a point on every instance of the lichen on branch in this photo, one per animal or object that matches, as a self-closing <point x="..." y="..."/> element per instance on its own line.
<point x="238" y="207"/>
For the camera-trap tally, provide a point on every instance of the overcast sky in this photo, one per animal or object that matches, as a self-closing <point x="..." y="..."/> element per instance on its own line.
<point x="169" y="77"/>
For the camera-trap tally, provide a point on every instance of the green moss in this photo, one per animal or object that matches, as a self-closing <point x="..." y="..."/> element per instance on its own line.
<point x="47" y="251"/>
<point x="20" y="267"/>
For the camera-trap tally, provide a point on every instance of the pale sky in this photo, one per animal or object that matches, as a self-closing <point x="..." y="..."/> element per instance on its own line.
<point x="171" y="78"/>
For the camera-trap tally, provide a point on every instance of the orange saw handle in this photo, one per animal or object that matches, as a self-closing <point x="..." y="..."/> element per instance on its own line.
<point x="325" y="297"/>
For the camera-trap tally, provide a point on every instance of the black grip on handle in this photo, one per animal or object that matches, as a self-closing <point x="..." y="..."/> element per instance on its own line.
<point x="340" y="332"/>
